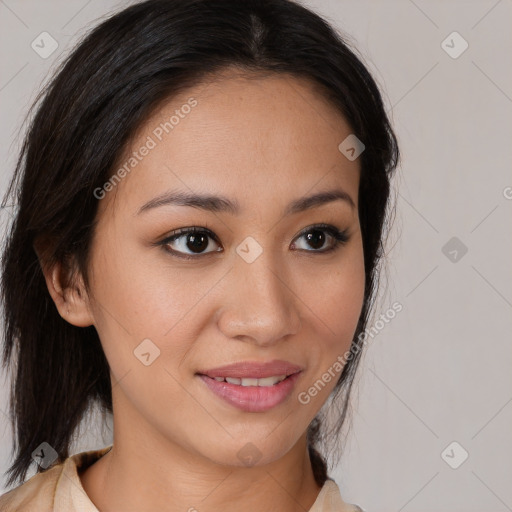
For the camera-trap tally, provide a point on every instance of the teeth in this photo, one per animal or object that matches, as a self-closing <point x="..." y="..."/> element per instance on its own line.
<point x="265" y="382"/>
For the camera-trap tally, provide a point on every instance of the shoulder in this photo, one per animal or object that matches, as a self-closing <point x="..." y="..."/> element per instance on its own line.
<point x="330" y="500"/>
<point x="34" y="495"/>
<point x="51" y="489"/>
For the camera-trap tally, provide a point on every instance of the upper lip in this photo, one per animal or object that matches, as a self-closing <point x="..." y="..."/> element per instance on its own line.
<point x="255" y="369"/>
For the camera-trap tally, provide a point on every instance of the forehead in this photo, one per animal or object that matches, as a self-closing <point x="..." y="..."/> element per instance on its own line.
<point x="249" y="137"/>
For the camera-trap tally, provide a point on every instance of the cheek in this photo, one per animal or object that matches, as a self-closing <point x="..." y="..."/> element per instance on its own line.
<point x="142" y="321"/>
<point x="134" y="302"/>
<point x="134" y="295"/>
<point x="336" y="305"/>
<point x="345" y="302"/>
<point x="338" y="297"/>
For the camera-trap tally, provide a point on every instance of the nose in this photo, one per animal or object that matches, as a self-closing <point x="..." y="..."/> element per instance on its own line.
<point x="261" y="305"/>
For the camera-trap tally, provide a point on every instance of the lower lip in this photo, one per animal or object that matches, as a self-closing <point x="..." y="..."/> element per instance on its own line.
<point x="252" y="398"/>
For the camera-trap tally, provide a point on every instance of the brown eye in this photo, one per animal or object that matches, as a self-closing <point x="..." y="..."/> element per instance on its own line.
<point x="317" y="236"/>
<point x="195" y="240"/>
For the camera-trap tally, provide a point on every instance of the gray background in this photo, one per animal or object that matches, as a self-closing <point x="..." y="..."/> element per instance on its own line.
<point x="439" y="372"/>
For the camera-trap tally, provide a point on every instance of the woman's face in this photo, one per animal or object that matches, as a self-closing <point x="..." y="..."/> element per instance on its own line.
<point x="262" y="283"/>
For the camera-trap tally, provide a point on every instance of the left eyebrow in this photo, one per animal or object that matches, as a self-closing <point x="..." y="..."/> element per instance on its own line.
<point x="223" y="204"/>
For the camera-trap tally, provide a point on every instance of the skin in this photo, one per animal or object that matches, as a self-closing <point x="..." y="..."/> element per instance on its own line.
<point x="175" y="442"/>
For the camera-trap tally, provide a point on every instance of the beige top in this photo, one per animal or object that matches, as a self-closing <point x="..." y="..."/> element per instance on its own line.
<point x="59" y="489"/>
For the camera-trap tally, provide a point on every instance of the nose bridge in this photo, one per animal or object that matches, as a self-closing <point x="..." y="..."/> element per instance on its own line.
<point x="262" y="306"/>
<point x="260" y="277"/>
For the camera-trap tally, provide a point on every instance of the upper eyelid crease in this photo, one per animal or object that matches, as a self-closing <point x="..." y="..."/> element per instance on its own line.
<point x="224" y="204"/>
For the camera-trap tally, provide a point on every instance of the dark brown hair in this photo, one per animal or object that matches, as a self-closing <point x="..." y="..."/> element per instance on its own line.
<point x="112" y="81"/>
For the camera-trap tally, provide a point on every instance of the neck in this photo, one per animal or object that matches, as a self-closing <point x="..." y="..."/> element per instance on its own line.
<point x="160" y="475"/>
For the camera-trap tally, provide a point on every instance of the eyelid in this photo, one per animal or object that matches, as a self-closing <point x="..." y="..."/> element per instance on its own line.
<point x="189" y="229"/>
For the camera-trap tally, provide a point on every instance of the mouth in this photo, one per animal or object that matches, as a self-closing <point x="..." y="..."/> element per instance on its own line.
<point x="252" y="394"/>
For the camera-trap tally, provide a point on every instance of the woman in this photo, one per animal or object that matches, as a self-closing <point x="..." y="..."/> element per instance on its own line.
<point x="201" y="198"/>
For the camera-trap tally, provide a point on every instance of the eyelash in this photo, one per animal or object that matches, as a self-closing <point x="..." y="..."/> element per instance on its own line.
<point x="339" y="238"/>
